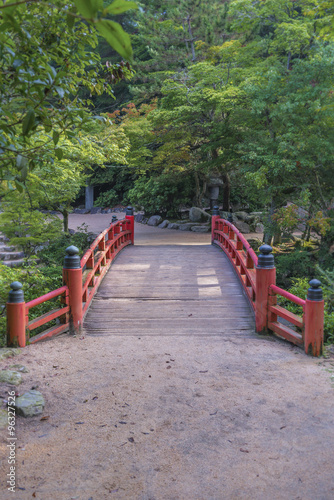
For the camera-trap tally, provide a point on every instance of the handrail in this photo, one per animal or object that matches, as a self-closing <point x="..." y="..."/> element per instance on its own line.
<point x="81" y="278"/>
<point x="258" y="278"/>
<point x="46" y="297"/>
<point x="287" y="295"/>
<point x="239" y="252"/>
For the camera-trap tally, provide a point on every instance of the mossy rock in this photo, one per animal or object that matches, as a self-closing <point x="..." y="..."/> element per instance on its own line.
<point x="8" y="352"/>
<point x="30" y="404"/>
<point x="10" y="377"/>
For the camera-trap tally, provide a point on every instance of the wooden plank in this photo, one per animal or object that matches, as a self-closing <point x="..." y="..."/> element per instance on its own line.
<point x="286" y="332"/>
<point x="168" y="290"/>
<point x="289" y="316"/>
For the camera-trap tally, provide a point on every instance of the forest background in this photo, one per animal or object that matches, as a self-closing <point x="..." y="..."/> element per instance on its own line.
<point x="190" y="91"/>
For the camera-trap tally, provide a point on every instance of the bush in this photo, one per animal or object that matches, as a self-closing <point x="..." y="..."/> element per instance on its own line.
<point x="162" y="195"/>
<point x="297" y="264"/>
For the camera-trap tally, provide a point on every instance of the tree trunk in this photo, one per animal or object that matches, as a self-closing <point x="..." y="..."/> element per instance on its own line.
<point x="226" y="193"/>
<point x="65" y="220"/>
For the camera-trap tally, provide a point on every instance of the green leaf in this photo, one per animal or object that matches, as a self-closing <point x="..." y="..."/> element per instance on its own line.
<point x="61" y="92"/>
<point x="120" y="6"/>
<point x="87" y="8"/>
<point x="28" y="121"/>
<point x="70" y="20"/>
<point x="59" y="153"/>
<point x="24" y="173"/>
<point x="116" y="37"/>
<point x="55" y="138"/>
<point x="19" y="186"/>
<point x="21" y="162"/>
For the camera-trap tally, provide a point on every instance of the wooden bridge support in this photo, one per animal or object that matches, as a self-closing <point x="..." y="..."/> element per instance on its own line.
<point x="265" y="276"/>
<point x="72" y="277"/>
<point x="16" y="307"/>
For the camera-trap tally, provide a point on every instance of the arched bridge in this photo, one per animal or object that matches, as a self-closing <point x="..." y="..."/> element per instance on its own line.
<point x="186" y="290"/>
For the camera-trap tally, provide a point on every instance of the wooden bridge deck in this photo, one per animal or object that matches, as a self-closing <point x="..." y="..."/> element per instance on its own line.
<point x="170" y="290"/>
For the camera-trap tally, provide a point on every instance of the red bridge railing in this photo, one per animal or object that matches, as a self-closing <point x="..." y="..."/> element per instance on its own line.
<point x="81" y="280"/>
<point x="258" y="277"/>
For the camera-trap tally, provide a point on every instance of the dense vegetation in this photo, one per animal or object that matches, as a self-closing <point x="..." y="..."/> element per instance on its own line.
<point x="238" y="92"/>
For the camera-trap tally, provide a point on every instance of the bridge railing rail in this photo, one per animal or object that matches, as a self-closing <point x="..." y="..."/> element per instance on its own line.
<point x="257" y="275"/>
<point x="81" y="278"/>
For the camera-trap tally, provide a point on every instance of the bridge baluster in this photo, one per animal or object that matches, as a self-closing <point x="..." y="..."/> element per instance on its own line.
<point x="265" y="276"/>
<point x="314" y="319"/>
<point x="16" y="321"/>
<point x="72" y="276"/>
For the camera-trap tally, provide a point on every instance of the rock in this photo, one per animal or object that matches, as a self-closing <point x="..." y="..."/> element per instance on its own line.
<point x="81" y="211"/>
<point x="164" y="224"/>
<point x="8" y="352"/>
<point x="256" y="214"/>
<point x="139" y="217"/>
<point x="200" y="229"/>
<point x="10" y="377"/>
<point x="3" y="419"/>
<point x="154" y="220"/>
<point x="30" y="404"/>
<point x="259" y="228"/>
<point x="225" y="215"/>
<point x="242" y="226"/>
<point x="198" y="215"/>
<point x="20" y="368"/>
<point x="96" y="210"/>
<point x="173" y="226"/>
<point x="145" y="220"/>
<point x="242" y="215"/>
<point x="186" y="226"/>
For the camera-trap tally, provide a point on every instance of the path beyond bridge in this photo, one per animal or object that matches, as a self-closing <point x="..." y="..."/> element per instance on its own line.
<point x="170" y="395"/>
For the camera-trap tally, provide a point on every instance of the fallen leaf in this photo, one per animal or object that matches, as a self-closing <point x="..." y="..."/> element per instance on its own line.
<point x="243" y="450"/>
<point x="45" y="418"/>
<point x="131" y="440"/>
<point x="168" y="367"/>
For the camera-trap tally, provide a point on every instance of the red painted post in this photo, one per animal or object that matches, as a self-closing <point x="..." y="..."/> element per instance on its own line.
<point x="214" y="218"/>
<point x="72" y="277"/>
<point x="265" y="276"/>
<point x="314" y="320"/>
<point x="16" y="316"/>
<point x="129" y="215"/>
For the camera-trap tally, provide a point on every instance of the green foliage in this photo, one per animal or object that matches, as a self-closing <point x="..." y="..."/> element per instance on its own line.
<point x="27" y="228"/>
<point x="53" y="254"/>
<point x="47" y="55"/>
<point x="296" y="264"/>
<point x="164" y="195"/>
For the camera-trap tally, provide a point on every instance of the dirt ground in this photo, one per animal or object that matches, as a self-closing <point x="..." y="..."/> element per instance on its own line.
<point x="172" y="418"/>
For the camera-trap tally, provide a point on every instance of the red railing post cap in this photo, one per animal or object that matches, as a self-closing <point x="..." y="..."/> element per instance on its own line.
<point x="314" y="293"/>
<point x="266" y="258"/>
<point x="72" y="259"/>
<point x="16" y="294"/>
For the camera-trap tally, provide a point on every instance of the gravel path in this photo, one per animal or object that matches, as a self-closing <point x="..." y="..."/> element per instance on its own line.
<point x="202" y="416"/>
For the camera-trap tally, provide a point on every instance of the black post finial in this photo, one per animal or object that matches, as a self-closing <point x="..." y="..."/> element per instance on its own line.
<point x="72" y="259"/>
<point x="315" y="292"/>
<point x="16" y="294"/>
<point x="266" y="258"/>
<point x="129" y="211"/>
<point x="215" y="210"/>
